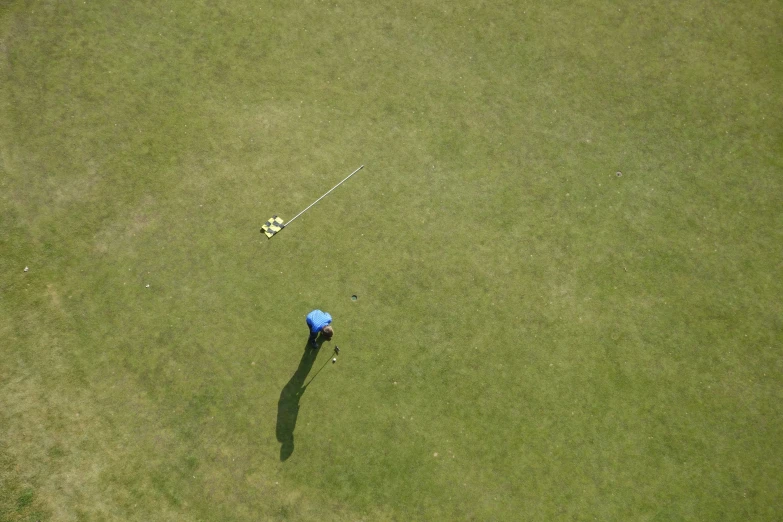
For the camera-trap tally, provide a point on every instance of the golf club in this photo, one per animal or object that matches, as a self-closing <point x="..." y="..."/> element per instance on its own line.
<point x="336" y="352"/>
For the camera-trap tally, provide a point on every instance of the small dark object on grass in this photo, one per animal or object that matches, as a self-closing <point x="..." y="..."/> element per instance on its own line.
<point x="354" y="298"/>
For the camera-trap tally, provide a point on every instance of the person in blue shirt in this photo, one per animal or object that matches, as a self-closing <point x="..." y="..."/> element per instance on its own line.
<point x="319" y="322"/>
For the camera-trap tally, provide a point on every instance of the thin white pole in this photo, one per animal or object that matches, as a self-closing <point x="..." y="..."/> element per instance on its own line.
<point x="322" y="197"/>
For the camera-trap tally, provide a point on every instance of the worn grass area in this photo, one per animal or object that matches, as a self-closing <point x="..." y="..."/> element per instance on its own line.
<point x="535" y="337"/>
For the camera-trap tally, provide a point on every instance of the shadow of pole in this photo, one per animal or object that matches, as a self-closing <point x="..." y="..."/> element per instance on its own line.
<point x="288" y="405"/>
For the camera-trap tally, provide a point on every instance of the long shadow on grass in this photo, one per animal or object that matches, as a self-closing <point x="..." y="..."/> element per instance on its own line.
<point x="288" y="405"/>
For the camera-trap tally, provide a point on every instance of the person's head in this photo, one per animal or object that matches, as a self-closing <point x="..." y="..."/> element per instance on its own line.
<point x="328" y="332"/>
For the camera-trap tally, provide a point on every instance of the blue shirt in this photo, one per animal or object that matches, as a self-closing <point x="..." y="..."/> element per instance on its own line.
<point x="317" y="319"/>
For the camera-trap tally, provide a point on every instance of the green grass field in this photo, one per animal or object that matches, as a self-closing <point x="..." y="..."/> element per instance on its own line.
<point x="535" y="336"/>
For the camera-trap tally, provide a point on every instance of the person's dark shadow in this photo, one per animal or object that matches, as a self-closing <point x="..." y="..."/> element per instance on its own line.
<point x="288" y="405"/>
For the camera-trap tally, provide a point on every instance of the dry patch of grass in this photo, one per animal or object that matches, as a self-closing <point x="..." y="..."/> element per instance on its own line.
<point x="120" y="234"/>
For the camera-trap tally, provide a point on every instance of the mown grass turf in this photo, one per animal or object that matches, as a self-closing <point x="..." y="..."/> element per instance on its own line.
<point x="535" y="337"/>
